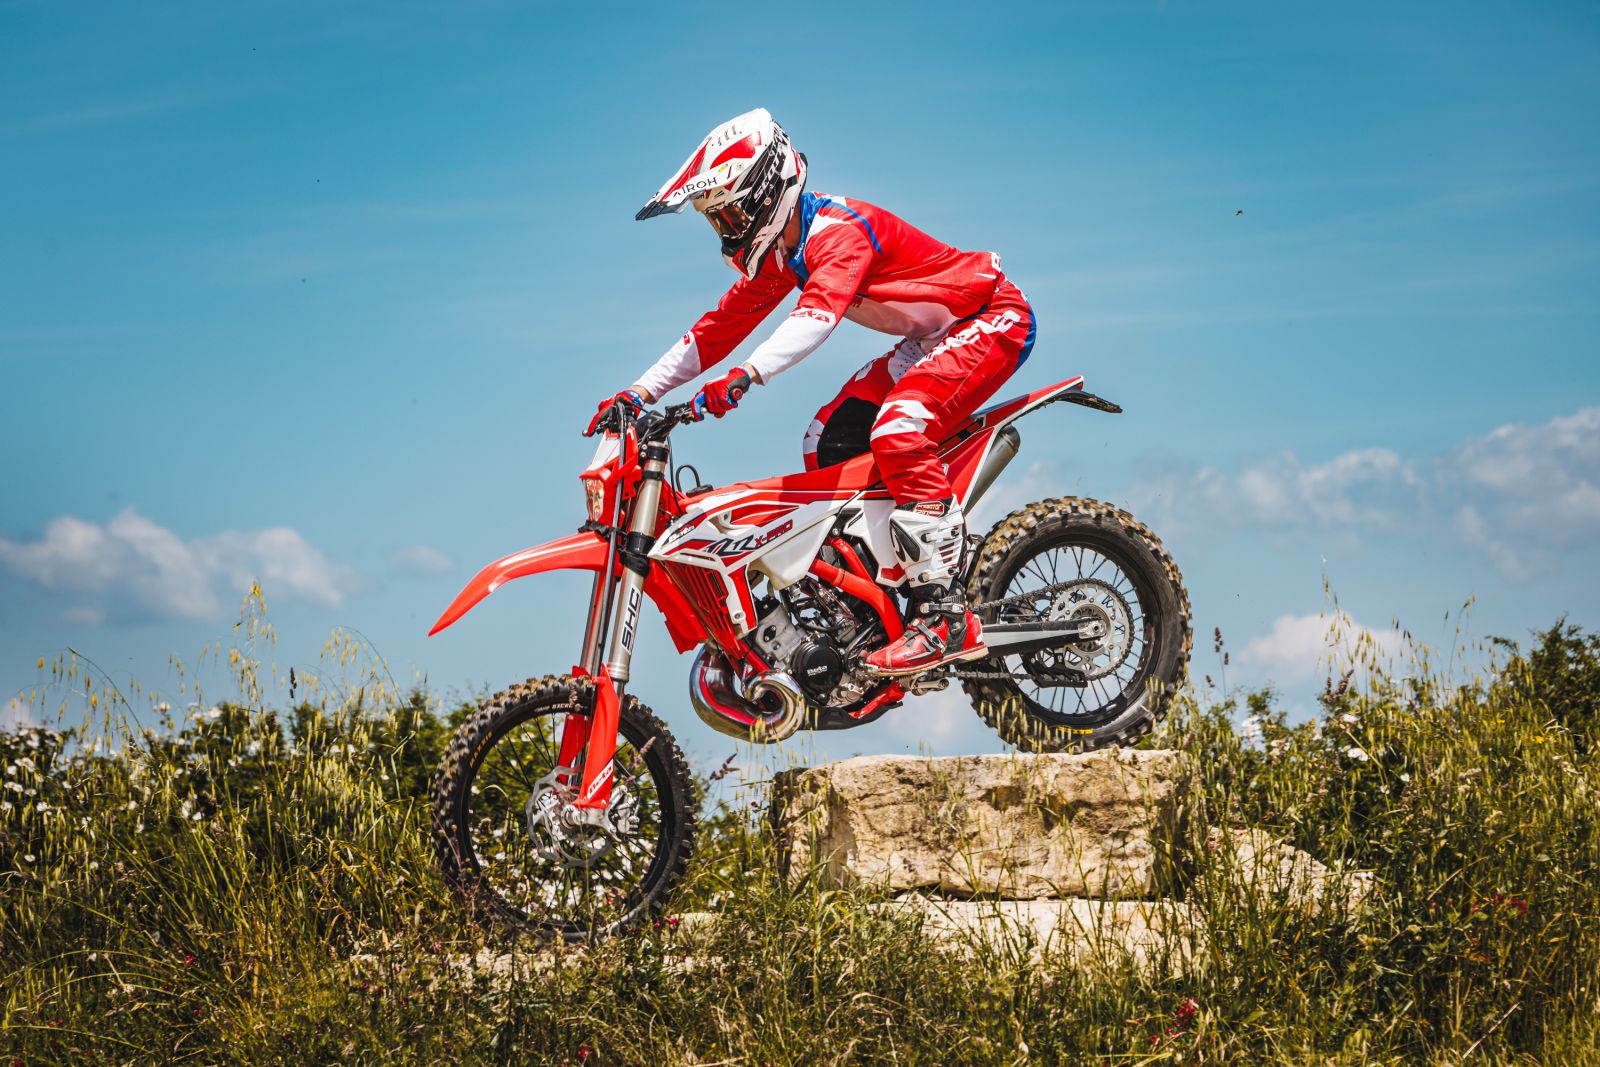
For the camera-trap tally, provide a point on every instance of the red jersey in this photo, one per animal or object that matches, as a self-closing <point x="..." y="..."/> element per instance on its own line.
<point x="853" y="261"/>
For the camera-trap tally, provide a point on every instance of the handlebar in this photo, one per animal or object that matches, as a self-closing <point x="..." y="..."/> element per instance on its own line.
<point x="656" y="427"/>
<point x="651" y="425"/>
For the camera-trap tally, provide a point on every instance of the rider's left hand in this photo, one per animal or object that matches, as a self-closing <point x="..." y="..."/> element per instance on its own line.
<point x="723" y="395"/>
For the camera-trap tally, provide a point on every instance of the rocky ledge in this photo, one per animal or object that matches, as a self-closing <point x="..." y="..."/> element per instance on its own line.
<point x="1081" y="853"/>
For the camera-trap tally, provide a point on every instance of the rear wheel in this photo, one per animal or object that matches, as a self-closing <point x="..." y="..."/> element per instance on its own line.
<point x="515" y="848"/>
<point x="1075" y="559"/>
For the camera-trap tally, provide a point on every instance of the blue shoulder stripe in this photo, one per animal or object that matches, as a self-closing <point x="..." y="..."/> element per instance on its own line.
<point x="810" y="204"/>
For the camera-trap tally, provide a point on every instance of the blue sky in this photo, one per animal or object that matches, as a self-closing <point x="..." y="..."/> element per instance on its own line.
<point x="322" y="294"/>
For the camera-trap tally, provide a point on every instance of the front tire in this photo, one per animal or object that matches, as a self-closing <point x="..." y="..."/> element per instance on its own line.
<point x="509" y="841"/>
<point x="1110" y="692"/>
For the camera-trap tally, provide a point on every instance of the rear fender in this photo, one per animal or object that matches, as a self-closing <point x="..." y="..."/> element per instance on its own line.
<point x="583" y="551"/>
<point x="1071" y="391"/>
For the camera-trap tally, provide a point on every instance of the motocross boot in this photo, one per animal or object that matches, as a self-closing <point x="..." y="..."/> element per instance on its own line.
<point x="929" y="538"/>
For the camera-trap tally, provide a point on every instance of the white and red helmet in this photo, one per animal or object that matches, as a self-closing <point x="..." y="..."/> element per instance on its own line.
<point x="746" y="179"/>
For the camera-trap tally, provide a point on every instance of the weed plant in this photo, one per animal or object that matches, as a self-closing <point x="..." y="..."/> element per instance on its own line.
<point x="248" y="885"/>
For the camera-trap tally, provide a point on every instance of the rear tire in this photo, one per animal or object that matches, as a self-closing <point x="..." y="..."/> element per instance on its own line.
<point x="1156" y="607"/>
<point x="572" y="883"/>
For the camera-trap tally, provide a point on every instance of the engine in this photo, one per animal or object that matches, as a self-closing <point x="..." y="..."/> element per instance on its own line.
<point x="819" y="637"/>
<point x="818" y="667"/>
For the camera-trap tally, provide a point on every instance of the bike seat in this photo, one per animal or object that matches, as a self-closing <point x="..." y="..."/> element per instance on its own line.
<point x="841" y="479"/>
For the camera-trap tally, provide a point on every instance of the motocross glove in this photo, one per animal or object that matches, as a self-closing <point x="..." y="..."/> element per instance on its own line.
<point x="723" y="395"/>
<point x="629" y="397"/>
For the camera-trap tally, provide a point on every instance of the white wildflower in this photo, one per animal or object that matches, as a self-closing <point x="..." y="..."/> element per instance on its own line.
<point x="1348" y="716"/>
<point x="252" y="748"/>
<point x="213" y="713"/>
<point x="1356" y="752"/>
<point x="29" y="858"/>
<point x="6" y="805"/>
<point x="197" y="816"/>
<point x="15" y="787"/>
<point x="1250" y="730"/>
<point x="133" y="805"/>
<point x="1405" y="776"/>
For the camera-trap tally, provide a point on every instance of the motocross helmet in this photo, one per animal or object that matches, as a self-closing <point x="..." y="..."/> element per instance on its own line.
<point x="746" y="179"/>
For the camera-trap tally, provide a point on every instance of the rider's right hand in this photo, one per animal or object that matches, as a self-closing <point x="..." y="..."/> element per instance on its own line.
<point x="629" y="397"/>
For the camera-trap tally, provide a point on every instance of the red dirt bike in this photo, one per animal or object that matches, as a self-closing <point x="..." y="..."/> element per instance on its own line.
<point x="565" y="806"/>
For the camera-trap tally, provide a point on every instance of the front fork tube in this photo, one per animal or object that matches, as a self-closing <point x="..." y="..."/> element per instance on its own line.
<point x="612" y="676"/>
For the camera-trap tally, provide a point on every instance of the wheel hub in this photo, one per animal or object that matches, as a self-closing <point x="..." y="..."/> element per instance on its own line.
<point x="1105" y="629"/>
<point x="574" y="837"/>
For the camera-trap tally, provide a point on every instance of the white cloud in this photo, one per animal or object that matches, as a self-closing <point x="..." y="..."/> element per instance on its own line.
<point x="16" y="714"/>
<point x="1525" y="494"/>
<point x="1522" y="495"/>
<point x="1300" y="648"/>
<point x="84" y="616"/>
<point x="1364" y="489"/>
<point x="283" y="561"/>
<point x="135" y="567"/>
<point x="420" y="559"/>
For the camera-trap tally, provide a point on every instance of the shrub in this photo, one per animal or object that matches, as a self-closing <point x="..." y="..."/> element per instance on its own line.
<point x="256" y="886"/>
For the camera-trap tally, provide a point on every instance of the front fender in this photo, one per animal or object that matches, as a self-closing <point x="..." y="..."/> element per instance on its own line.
<point x="584" y="551"/>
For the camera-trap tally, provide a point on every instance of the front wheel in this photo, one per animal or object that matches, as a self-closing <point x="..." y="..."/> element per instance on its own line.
<point x="516" y="849"/>
<point x="1075" y="559"/>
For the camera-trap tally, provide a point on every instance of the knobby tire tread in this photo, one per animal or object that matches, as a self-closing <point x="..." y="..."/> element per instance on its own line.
<point x="997" y="702"/>
<point x="456" y="767"/>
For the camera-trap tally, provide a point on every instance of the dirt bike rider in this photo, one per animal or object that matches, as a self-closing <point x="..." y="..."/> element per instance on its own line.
<point x="965" y="330"/>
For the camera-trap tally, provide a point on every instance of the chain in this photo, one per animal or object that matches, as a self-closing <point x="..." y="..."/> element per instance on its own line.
<point x="1033" y="595"/>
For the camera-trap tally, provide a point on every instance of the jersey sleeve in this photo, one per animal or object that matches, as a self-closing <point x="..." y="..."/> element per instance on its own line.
<point x="838" y="259"/>
<point x="719" y="331"/>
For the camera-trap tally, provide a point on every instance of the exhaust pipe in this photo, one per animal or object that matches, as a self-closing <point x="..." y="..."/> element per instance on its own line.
<point x="1001" y="453"/>
<point x="771" y="709"/>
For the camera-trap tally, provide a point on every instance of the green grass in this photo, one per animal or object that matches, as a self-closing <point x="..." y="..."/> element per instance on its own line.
<point x="257" y="887"/>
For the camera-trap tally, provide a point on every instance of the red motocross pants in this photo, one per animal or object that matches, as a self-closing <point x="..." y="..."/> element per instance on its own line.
<point x="904" y="403"/>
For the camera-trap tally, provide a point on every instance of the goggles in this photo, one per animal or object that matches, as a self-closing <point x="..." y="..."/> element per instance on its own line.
<point x="731" y="222"/>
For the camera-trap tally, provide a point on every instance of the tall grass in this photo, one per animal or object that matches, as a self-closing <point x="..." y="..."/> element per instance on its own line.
<point x="254" y="886"/>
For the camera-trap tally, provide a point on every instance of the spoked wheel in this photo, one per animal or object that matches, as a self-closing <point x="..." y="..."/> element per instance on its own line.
<point x="519" y="852"/>
<point x="1087" y="562"/>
